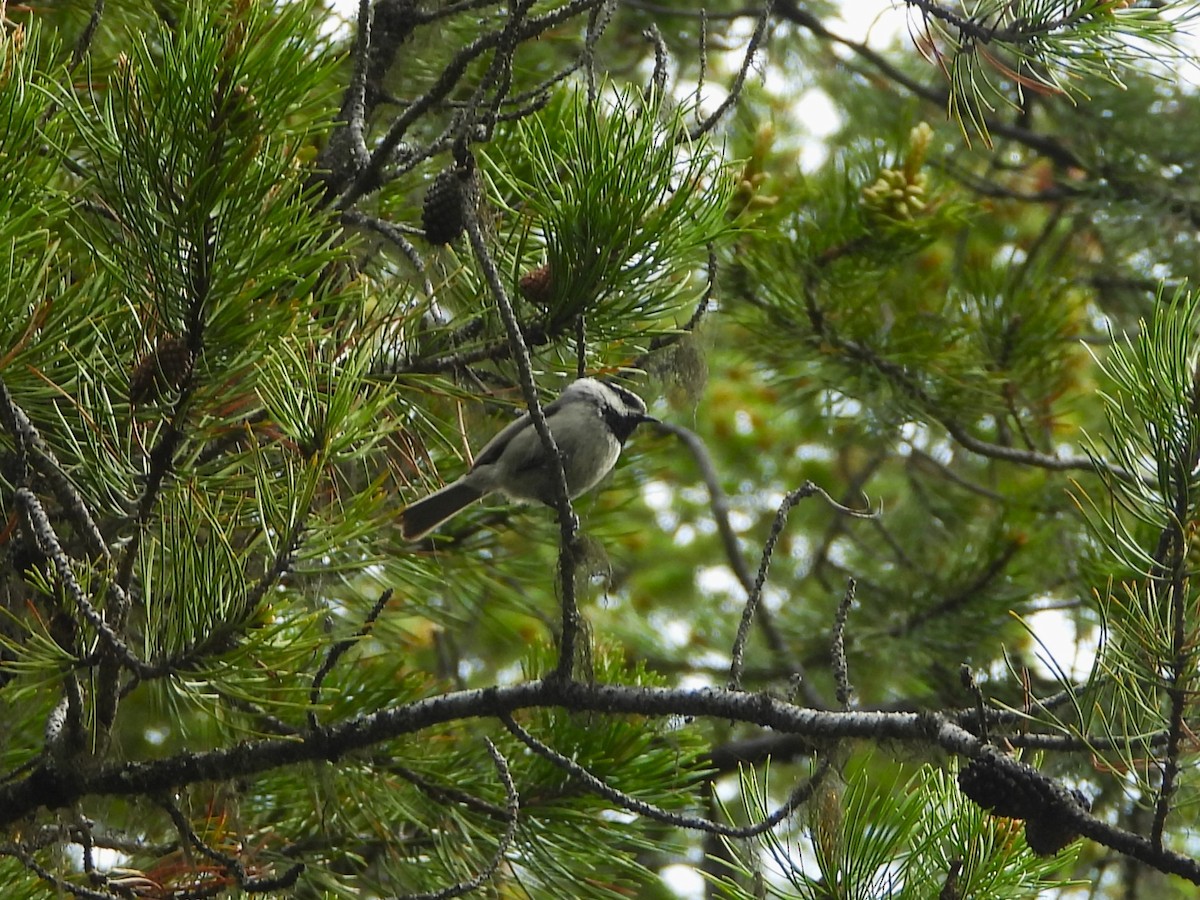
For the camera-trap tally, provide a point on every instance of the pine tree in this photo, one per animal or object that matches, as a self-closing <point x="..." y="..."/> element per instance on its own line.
<point x="268" y="281"/>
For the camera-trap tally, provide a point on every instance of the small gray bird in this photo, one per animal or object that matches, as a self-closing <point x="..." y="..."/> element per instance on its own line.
<point x="590" y="422"/>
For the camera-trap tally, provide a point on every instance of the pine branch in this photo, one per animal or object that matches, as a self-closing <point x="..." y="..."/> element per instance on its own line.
<point x="512" y="810"/>
<point x="338" y="650"/>
<point x="370" y="178"/>
<point x="719" y="506"/>
<point x="739" y="81"/>
<point x="51" y="788"/>
<point x="799" y="795"/>
<point x="34" y="454"/>
<point x="230" y="864"/>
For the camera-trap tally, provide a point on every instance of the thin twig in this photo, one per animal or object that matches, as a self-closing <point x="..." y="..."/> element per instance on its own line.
<point x="917" y="455"/>
<point x="793" y="12"/>
<point x="580" y="346"/>
<point x="598" y="21"/>
<point x="339" y="649"/>
<point x="965" y="594"/>
<point x="567" y="520"/>
<point x="47" y="541"/>
<point x="702" y="73"/>
<point x="968" y="681"/>
<point x="525" y="102"/>
<point x="444" y="793"/>
<point x="189" y="838"/>
<point x="444" y="11"/>
<point x="662" y="59"/>
<point x="900" y="376"/>
<point x="60" y="884"/>
<point x="498" y="75"/>
<point x="371" y="176"/>
<point x="35" y="453"/>
<point x="265" y="721"/>
<point x="512" y="815"/>
<point x="806" y="490"/>
<point x="1020" y="32"/>
<point x="70" y="834"/>
<point x="87" y="35"/>
<point x="719" y="505"/>
<point x="800" y="793"/>
<point x="356" y="100"/>
<point x="718" y="500"/>
<point x="735" y="89"/>
<point x="230" y="864"/>
<point x="841" y="669"/>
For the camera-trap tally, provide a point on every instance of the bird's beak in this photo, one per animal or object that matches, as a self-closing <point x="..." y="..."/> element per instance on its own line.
<point x="648" y="419"/>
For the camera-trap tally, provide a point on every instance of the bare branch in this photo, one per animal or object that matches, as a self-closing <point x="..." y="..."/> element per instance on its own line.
<point x="47" y="541"/>
<point x="567" y="520"/>
<point x="808" y="489"/>
<point x="717" y="498"/>
<point x="56" y="789"/>
<point x="662" y="59"/>
<point x="371" y="176"/>
<point x="356" y="99"/>
<point x="60" y="884"/>
<point x="735" y="89"/>
<point x="87" y="35"/>
<point x="598" y="21"/>
<point x="394" y="234"/>
<point x="35" y="454"/>
<point x="231" y="864"/>
<point x="841" y="669"/>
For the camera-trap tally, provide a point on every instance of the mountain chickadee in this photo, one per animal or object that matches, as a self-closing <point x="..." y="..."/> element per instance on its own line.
<point x="590" y="422"/>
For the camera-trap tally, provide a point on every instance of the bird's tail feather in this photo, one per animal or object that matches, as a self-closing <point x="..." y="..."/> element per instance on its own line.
<point x="422" y="517"/>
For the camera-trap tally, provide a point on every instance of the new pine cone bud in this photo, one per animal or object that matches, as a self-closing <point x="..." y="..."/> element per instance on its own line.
<point x="900" y="194"/>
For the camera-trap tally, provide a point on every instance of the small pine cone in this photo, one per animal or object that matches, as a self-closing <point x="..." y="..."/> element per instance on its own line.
<point x="996" y="790"/>
<point x="444" y="213"/>
<point x="167" y="367"/>
<point x="537" y="286"/>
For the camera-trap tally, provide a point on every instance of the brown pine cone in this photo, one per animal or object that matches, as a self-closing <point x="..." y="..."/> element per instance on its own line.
<point x="168" y="366"/>
<point x="537" y="286"/>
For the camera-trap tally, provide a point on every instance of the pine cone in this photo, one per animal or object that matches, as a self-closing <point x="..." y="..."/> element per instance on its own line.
<point x="167" y="367"/>
<point x="1024" y="793"/>
<point x="444" y="214"/>
<point x="537" y="286"/>
<point x="996" y="790"/>
<point x="1048" y="834"/>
